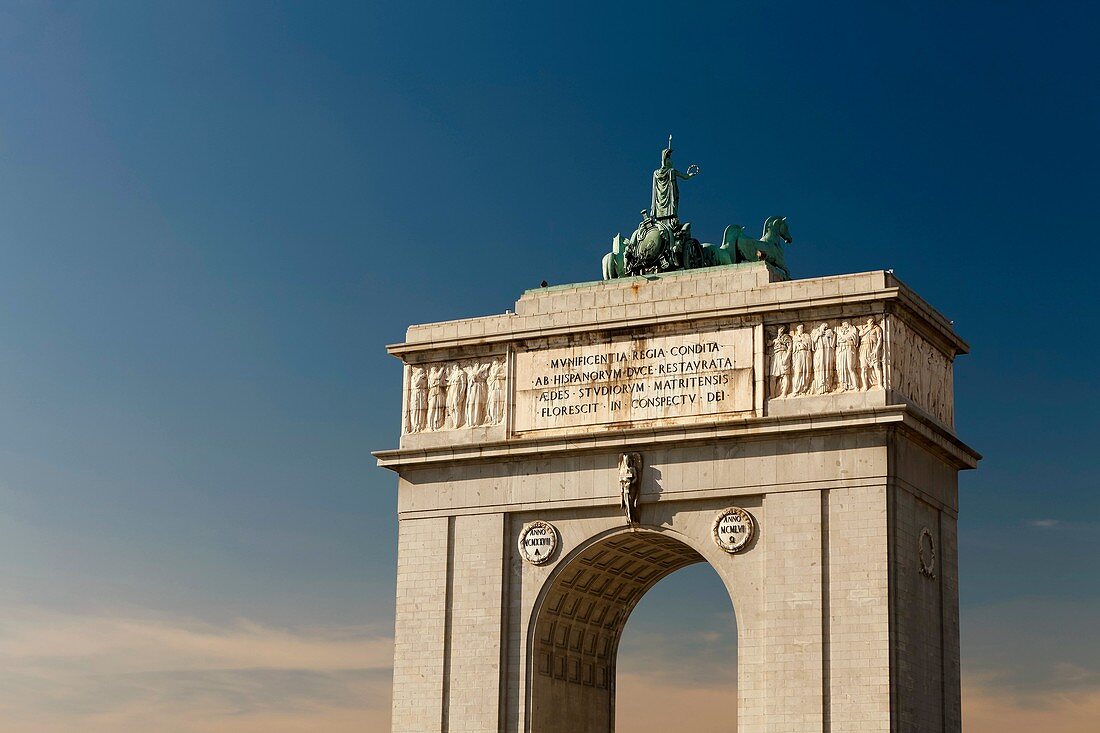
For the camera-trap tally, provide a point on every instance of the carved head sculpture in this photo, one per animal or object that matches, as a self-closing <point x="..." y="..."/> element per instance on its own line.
<point x="870" y="320"/>
<point x="666" y="158"/>
<point x="799" y="329"/>
<point x="780" y="331"/>
<point x="626" y="469"/>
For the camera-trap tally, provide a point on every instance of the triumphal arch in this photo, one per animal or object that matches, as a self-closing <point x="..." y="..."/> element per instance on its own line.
<point x="696" y="405"/>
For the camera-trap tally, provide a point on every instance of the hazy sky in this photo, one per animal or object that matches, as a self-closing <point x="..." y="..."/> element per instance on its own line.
<point x="214" y="216"/>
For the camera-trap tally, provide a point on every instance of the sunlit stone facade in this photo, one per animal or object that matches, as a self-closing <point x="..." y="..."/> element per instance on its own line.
<point x="822" y="408"/>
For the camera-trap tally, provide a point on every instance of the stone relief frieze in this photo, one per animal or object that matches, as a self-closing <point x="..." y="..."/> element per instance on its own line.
<point x="921" y="372"/>
<point x="829" y="359"/>
<point x="455" y="395"/>
<point x="852" y="355"/>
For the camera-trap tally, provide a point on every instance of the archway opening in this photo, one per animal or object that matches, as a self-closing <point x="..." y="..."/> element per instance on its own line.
<point x="580" y="622"/>
<point x="676" y="667"/>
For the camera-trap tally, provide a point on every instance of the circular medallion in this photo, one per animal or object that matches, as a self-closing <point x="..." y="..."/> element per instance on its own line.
<point x="926" y="553"/>
<point x="537" y="542"/>
<point x="734" y="529"/>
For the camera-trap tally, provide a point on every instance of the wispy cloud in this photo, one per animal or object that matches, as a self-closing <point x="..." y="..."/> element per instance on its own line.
<point x="1045" y="523"/>
<point x="988" y="709"/>
<point x="1031" y="663"/>
<point x="1032" y="648"/>
<point x="63" y="672"/>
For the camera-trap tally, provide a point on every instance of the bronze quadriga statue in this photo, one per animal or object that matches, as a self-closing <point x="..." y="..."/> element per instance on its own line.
<point x="661" y="243"/>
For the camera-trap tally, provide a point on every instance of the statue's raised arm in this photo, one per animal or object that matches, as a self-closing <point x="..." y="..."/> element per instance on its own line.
<point x="692" y="171"/>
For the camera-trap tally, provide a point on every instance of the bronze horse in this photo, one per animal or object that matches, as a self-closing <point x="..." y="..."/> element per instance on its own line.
<point x="651" y="243"/>
<point x="736" y="247"/>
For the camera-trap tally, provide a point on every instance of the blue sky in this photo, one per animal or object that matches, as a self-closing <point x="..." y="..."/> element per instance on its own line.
<point x="214" y="216"/>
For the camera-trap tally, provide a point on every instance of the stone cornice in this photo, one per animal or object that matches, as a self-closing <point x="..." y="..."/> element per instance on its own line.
<point x="690" y="298"/>
<point x="900" y="417"/>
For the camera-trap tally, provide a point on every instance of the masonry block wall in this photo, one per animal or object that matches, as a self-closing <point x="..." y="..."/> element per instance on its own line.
<point x="857" y="617"/>
<point x="420" y="632"/>
<point x="474" y="624"/>
<point x="793" y="608"/>
<point x="924" y="579"/>
<point x="838" y="628"/>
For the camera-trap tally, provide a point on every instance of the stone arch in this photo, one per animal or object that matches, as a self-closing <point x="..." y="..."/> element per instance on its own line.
<point x="579" y="619"/>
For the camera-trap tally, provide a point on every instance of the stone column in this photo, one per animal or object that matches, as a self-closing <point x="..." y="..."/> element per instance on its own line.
<point x="418" y="668"/>
<point x="793" y="612"/>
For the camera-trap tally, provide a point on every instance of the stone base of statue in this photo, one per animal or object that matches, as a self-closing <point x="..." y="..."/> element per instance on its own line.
<point x="557" y="462"/>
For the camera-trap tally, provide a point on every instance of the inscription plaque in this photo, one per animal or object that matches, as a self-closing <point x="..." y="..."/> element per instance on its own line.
<point x="734" y="529"/>
<point x="635" y="380"/>
<point x="537" y="542"/>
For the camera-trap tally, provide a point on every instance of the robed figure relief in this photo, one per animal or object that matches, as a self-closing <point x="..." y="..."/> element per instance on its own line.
<point x="437" y="393"/>
<point x="476" y="393"/>
<point x="802" y="351"/>
<point x="437" y="397"/>
<point x="871" y="354"/>
<point x="418" y="399"/>
<point x="781" y="363"/>
<point x="496" y="392"/>
<point x="847" y="356"/>
<point x="824" y="340"/>
<point x="456" y="396"/>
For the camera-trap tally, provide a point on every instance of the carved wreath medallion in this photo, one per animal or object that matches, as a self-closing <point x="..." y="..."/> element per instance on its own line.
<point x="538" y="541"/>
<point x="926" y="553"/>
<point x="734" y="529"/>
